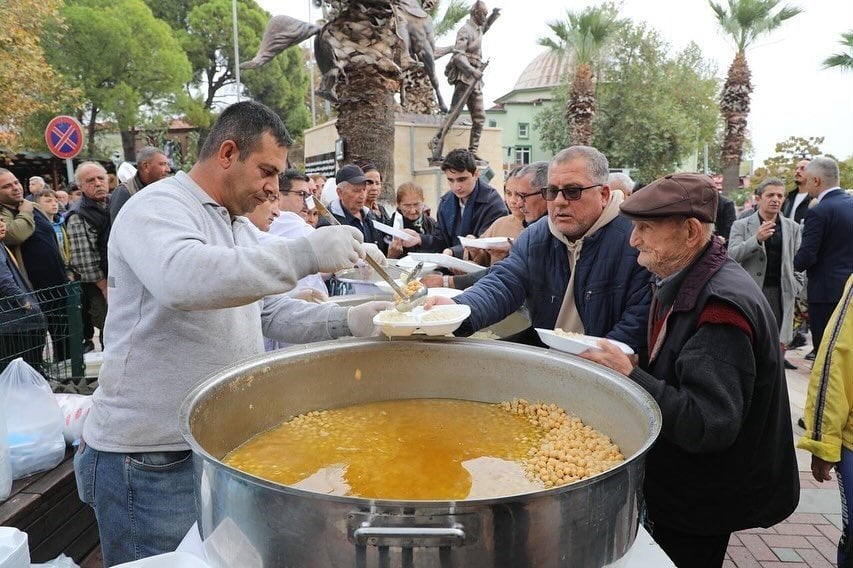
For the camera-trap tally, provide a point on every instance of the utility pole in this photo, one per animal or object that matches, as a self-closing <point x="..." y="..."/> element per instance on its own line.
<point x="236" y="47"/>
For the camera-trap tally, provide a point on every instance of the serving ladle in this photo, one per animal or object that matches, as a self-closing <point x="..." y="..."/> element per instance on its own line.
<point x="407" y="301"/>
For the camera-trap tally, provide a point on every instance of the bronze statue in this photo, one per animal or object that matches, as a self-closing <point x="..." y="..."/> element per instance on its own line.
<point x="465" y="69"/>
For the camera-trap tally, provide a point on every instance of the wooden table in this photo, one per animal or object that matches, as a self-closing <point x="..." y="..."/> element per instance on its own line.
<point x="47" y="508"/>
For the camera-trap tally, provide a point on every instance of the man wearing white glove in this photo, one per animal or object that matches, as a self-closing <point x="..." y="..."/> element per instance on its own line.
<point x="191" y="292"/>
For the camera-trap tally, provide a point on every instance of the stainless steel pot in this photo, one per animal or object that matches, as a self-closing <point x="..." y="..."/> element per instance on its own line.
<point x="252" y="523"/>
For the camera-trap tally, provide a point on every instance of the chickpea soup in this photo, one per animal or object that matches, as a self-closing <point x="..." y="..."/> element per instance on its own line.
<point x="428" y="449"/>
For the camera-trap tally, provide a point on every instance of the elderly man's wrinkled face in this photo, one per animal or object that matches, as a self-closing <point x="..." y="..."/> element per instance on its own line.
<point x="352" y="197"/>
<point x="530" y="200"/>
<point x="574" y="218"/>
<point x="11" y="190"/>
<point x="661" y="244"/>
<point x="36" y="184"/>
<point x="93" y="182"/>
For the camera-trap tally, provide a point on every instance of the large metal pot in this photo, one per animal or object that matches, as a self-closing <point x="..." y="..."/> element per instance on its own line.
<point x="249" y="522"/>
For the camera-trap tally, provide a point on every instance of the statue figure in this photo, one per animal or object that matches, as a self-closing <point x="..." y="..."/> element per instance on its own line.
<point x="415" y="29"/>
<point x="465" y="69"/>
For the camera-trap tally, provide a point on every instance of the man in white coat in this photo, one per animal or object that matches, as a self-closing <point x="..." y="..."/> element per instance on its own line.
<point x="764" y="244"/>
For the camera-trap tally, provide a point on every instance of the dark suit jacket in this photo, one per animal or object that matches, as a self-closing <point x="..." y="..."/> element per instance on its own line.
<point x="725" y="216"/>
<point x="826" y="251"/>
<point x="800" y="213"/>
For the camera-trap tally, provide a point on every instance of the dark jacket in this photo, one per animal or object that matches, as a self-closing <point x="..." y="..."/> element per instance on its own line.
<point x="725" y="216"/>
<point x="15" y="293"/>
<point x="800" y="213"/>
<point x="487" y="205"/>
<point x="724" y="460"/>
<point x="42" y="257"/>
<point x="826" y="249"/>
<point x="122" y="193"/>
<point x="611" y="290"/>
<point x="424" y="226"/>
<point x="344" y="217"/>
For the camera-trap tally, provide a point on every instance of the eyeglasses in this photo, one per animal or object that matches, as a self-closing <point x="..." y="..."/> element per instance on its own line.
<point x="523" y="196"/>
<point x="570" y="193"/>
<point x="302" y="194"/>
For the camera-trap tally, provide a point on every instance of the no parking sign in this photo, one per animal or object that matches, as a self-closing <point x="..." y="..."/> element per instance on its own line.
<point x="64" y="137"/>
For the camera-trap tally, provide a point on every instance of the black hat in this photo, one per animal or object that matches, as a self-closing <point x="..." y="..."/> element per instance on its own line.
<point x="688" y="194"/>
<point x="350" y="173"/>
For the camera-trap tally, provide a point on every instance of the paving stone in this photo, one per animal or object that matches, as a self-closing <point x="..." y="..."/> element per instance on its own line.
<point x="810" y="518"/>
<point x="825" y="546"/>
<point x="787" y="554"/>
<point x="831" y="532"/>
<point x="835" y="520"/>
<point x="742" y="558"/>
<point x="734" y="540"/>
<point x="819" y="501"/>
<point x="757" y="546"/>
<point x="786" y="541"/>
<point x="797" y="528"/>
<point x="729" y="564"/>
<point x="759" y="530"/>
<point x="784" y="565"/>
<point x="814" y="558"/>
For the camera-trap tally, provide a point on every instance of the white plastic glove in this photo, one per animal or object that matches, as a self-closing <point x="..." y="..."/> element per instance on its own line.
<point x="360" y="318"/>
<point x="336" y="248"/>
<point x="373" y="252"/>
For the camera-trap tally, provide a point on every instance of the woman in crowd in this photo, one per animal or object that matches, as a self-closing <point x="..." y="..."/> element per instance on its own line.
<point x="509" y="226"/>
<point x="410" y="217"/>
<point x="374" y="189"/>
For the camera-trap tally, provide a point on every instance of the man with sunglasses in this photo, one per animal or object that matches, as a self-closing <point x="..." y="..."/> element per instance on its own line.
<point x="574" y="268"/>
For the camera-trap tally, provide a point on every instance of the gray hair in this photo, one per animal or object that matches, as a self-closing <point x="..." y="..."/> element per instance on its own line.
<point x="597" y="165"/>
<point x="826" y="169"/>
<point x="79" y="178"/>
<point x="774" y="181"/>
<point x="539" y="170"/>
<point x="621" y="181"/>
<point x="148" y="153"/>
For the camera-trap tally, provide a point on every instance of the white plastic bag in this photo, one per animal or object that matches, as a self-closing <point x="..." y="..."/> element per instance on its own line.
<point x="60" y="561"/>
<point x="14" y="552"/>
<point x="33" y="420"/>
<point x="75" y="408"/>
<point x="5" y="464"/>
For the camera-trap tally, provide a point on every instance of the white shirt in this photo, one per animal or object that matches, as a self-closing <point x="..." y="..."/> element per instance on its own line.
<point x="798" y="199"/>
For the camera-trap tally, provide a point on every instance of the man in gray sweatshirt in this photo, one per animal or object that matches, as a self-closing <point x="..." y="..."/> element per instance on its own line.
<point x="190" y="293"/>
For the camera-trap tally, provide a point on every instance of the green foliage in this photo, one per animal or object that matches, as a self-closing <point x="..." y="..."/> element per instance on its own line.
<point x="456" y="11"/>
<point x="654" y="109"/>
<point x="584" y="34"/>
<point x="118" y="54"/>
<point x="792" y="150"/>
<point x="281" y="84"/>
<point x="746" y="20"/>
<point x="843" y="60"/>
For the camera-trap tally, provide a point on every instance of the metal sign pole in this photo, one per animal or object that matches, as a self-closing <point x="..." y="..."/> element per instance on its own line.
<point x="69" y="168"/>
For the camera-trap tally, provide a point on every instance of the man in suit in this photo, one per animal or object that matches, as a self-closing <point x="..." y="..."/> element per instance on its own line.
<point x="764" y="244"/>
<point x="725" y="217"/>
<point x="826" y="252"/>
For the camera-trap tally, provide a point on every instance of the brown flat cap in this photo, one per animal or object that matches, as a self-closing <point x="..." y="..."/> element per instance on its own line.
<point x="688" y="194"/>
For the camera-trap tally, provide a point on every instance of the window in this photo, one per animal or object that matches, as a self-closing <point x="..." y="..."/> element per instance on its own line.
<point x="524" y="130"/>
<point x="522" y="155"/>
<point x="493" y="124"/>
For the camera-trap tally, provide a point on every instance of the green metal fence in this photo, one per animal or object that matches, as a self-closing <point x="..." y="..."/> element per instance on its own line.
<point x="49" y="337"/>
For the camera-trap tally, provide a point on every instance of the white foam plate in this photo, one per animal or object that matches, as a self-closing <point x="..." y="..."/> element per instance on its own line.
<point x="493" y="243"/>
<point x="389" y="230"/>
<point x="575" y="345"/>
<point x="407" y="263"/>
<point x="419" y="321"/>
<point x="447" y="261"/>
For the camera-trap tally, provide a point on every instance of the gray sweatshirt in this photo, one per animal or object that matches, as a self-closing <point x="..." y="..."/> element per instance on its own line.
<point x="188" y="295"/>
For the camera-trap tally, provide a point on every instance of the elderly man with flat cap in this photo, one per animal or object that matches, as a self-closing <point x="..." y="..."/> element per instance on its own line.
<point x="724" y="460"/>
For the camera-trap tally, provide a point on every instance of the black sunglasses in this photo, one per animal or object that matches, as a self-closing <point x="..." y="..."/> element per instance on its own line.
<point x="570" y="193"/>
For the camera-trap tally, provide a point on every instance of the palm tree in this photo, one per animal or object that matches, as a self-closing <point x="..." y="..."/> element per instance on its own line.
<point x="744" y="21"/>
<point x="842" y="60"/>
<point x="584" y="36"/>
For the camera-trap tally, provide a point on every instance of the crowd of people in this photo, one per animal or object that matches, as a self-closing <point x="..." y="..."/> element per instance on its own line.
<point x="707" y="302"/>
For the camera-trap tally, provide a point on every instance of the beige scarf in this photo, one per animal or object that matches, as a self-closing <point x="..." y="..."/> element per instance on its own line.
<point x="569" y="318"/>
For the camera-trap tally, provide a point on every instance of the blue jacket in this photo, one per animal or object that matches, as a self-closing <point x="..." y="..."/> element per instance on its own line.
<point x="611" y="290"/>
<point x="487" y="206"/>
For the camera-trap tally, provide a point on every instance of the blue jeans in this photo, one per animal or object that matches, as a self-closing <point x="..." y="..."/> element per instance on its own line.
<point x="844" y="469"/>
<point x="144" y="503"/>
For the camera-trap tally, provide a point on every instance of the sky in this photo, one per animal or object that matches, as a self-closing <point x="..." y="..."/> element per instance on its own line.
<point x="793" y="95"/>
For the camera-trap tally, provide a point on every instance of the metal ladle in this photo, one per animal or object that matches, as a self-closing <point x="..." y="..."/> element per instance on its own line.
<point x="407" y="301"/>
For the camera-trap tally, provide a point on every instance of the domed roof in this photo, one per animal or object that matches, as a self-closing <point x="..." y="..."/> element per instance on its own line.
<point x="548" y="69"/>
